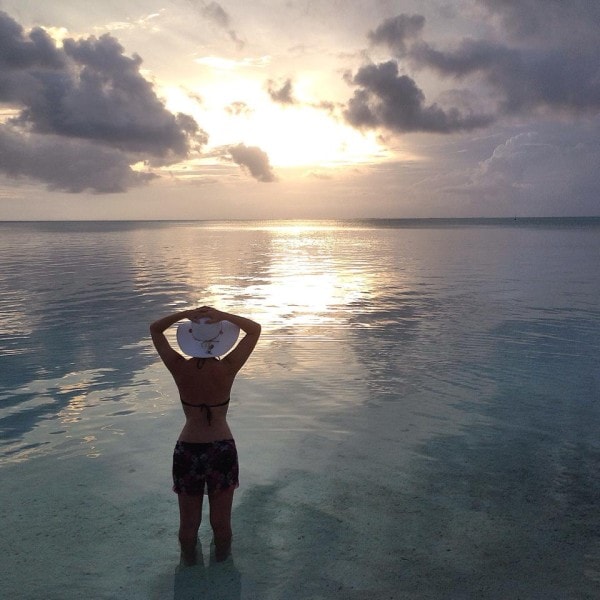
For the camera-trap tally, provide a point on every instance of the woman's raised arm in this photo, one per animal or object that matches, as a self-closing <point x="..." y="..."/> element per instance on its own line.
<point x="157" y="331"/>
<point x="237" y="357"/>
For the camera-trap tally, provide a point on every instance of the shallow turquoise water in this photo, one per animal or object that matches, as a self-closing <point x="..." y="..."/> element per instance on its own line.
<point x="420" y="415"/>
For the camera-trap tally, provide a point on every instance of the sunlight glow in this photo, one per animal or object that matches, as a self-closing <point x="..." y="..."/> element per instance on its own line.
<point x="8" y="113"/>
<point x="295" y="135"/>
<point x="304" y="136"/>
<point x="305" y="284"/>
<point x="58" y="34"/>
<point x="218" y="62"/>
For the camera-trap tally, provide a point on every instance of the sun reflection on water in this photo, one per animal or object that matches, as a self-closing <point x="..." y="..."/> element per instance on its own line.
<point x="319" y="289"/>
<point x="308" y="281"/>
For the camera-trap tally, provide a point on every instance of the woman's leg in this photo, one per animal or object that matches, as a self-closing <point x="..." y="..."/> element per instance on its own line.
<point x="190" y="515"/>
<point x="221" y="502"/>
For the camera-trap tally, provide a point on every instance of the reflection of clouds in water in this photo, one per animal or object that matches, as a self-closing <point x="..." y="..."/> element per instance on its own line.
<point x="79" y="292"/>
<point x="59" y="402"/>
<point x="79" y="298"/>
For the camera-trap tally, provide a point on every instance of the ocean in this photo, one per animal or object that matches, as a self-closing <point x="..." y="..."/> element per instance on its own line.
<point x="419" y="420"/>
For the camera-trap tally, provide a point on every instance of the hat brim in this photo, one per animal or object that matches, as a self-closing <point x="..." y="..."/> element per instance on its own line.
<point x="218" y="346"/>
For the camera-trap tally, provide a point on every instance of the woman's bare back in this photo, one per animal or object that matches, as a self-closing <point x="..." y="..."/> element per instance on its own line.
<point x="204" y="386"/>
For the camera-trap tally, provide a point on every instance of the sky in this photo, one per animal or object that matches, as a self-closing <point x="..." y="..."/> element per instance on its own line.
<point x="197" y="109"/>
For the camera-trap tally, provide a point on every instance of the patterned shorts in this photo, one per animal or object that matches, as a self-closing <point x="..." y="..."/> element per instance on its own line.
<point x="213" y="465"/>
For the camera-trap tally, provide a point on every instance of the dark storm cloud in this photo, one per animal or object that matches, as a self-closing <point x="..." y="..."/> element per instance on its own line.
<point x="66" y="164"/>
<point x="388" y="100"/>
<point x="89" y="91"/>
<point x="396" y="31"/>
<point x="551" y="61"/>
<point x="18" y="51"/>
<point x="100" y="95"/>
<point x="254" y="160"/>
<point x="524" y="80"/>
<point x="551" y="22"/>
<point x="282" y="93"/>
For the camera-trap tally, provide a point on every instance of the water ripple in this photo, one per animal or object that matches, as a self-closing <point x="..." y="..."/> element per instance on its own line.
<point x="382" y="313"/>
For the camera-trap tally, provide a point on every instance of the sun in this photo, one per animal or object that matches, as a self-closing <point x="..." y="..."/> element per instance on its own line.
<point x="301" y="136"/>
<point x="293" y="135"/>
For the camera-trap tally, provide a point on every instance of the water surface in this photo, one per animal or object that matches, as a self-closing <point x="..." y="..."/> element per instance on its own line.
<point x="419" y="420"/>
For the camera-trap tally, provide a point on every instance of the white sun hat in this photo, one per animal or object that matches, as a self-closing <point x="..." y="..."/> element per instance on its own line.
<point x="203" y="340"/>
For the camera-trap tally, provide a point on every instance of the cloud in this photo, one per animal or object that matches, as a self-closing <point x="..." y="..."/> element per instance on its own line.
<point x="524" y="80"/>
<point x="281" y="93"/>
<point x="551" y="60"/>
<point x="318" y="175"/>
<point x="66" y="164"/>
<point x="254" y="160"/>
<point x="228" y="64"/>
<point x="395" y="31"/>
<point x="388" y="100"/>
<point x="18" y="52"/>
<point x="216" y="14"/>
<point x="549" y="22"/>
<point x="107" y="101"/>
<point x="547" y="170"/>
<point x="238" y="109"/>
<point x="88" y="90"/>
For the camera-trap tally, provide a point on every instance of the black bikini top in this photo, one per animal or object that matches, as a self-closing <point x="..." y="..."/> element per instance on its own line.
<point x="206" y="407"/>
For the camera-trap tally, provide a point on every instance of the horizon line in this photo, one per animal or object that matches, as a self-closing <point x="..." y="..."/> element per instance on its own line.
<point x="255" y="219"/>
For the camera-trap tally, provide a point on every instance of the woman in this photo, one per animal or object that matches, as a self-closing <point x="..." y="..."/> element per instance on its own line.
<point x="205" y="453"/>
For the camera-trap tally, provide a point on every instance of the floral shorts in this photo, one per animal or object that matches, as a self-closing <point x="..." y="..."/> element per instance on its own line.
<point x="212" y="465"/>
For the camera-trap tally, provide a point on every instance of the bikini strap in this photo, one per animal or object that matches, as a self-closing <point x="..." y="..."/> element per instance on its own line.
<point x="206" y="407"/>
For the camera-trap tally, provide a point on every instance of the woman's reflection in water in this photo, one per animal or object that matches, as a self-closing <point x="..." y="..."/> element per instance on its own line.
<point x="220" y="580"/>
